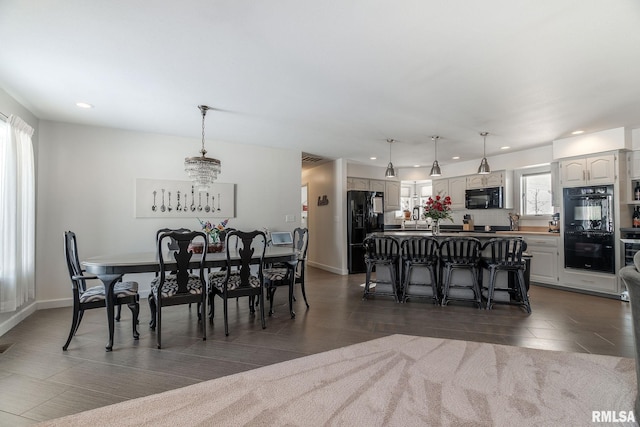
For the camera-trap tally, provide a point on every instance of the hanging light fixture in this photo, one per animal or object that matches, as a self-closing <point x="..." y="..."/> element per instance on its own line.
<point x="435" y="169"/>
<point x="390" y="172"/>
<point x="202" y="170"/>
<point x="484" y="165"/>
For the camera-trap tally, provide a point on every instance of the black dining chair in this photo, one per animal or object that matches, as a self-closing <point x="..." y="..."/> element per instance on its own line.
<point x="420" y="264"/>
<point x="505" y="254"/>
<point x="85" y="298"/>
<point x="243" y="275"/>
<point x="382" y="253"/>
<point x="176" y="284"/>
<point x="458" y="255"/>
<point x="172" y="245"/>
<point x="280" y="275"/>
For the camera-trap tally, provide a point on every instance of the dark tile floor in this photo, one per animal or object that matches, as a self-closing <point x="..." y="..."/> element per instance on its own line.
<point x="38" y="381"/>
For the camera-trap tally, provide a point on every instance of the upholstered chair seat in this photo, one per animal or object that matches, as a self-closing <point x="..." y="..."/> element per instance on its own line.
<point x="120" y="290"/>
<point x="217" y="279"/>
<point x="170" y="286"/>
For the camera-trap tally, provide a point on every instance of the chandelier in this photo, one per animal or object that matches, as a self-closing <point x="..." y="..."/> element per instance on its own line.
<point x="202" y="170"/>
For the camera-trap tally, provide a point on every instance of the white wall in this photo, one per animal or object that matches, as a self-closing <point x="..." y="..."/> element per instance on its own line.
<point x="86" y="181"/>
<point x="327" y="227"/>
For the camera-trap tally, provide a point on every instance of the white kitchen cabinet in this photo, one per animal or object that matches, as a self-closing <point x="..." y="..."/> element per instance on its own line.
<point x="544" y="258"/>
<point x="494" y="179"/>
<point x="392" y="195"/>
<point x="452" y="187"/>
<point x="357" y="184"/>
<point x="590" y="281"/>
<point x="595" y="170"/>
<point x="634" y="165"/>
<point x="377" y="185"/>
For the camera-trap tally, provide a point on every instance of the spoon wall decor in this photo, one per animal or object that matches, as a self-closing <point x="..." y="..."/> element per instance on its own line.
<point x="199" y="202"/>
<point x="163" y="207"/>
<point x="154" y="207"/>
<point x="218" y="202"/>
<point x="178" y="206"/>
<point x="169" y="208"/>
<point x="193" y="201"/>
<point x="207" y="208"/>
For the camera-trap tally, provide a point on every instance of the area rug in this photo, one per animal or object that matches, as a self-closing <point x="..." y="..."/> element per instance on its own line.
<point x="398" y="380"/>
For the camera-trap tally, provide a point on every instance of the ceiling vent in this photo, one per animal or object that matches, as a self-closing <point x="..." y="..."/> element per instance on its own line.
<point x="311" y="158"/>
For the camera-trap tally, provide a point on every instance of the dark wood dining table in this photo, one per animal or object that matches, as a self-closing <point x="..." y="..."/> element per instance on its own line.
<point x="111" y="268"/>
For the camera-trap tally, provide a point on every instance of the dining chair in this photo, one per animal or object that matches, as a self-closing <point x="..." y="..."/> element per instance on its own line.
<point x="85" y="298"/>
<point x="383" y="254"/>
<point x="505" y="254"/>
<point x="280" y="275"/>
<point x="457" y="255"/>
<point x="420" y="262"/>
<point x="176" y="284"/>
<point x="243" y="275"/>
<point x="172" y="245"/>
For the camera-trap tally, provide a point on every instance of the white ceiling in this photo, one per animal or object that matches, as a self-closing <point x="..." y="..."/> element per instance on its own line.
<point x="334" y="78"/>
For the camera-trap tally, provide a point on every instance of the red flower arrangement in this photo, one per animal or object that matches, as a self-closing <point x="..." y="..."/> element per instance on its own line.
<point x="438" y="209"/>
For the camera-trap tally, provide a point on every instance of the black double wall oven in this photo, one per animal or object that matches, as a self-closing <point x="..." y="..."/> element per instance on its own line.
<point x="589" y="228"/>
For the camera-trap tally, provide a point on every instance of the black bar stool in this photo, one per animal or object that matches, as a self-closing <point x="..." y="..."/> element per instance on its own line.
<point x="420" y="261"/>
<point x="460" y="253"/>
<point x="382" y="252"/>
<point x="505" y="254"/>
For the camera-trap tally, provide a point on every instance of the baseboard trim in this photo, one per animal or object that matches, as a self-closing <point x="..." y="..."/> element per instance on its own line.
<point x="327" y="268"/>
<point x="18" y="317"/>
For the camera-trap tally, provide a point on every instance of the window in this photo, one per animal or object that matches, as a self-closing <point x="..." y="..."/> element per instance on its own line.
<point x="536" y="192"/>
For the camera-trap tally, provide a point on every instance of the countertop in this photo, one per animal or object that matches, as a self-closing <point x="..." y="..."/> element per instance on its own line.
<point x="477" y="234"/>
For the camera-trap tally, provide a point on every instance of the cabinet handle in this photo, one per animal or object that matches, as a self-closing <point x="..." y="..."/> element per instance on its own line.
<point x="584" y="175"/>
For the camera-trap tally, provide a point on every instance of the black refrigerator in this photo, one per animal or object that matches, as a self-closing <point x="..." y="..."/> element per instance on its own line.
<point x="365" y="214"/>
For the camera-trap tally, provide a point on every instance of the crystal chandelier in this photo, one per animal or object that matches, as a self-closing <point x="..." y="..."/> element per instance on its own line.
<point x="202" y="170"/>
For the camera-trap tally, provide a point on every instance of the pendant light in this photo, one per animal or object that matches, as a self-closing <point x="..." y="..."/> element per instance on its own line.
<point x="435" y="169"/>
<point x="202" y="170"/>
<point x="390" y="172"/>
<point x="484" y="168"/>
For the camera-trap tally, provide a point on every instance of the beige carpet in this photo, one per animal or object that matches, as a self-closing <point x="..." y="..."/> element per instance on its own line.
<point x="398" y="380"/>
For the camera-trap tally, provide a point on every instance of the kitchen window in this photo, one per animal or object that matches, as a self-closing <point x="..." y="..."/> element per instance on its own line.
<point x="536" y="191"/>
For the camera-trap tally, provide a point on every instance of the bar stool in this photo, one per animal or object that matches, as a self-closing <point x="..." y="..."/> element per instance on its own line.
<point x="383" y="253"/>
<point x="420" y="261"/>
<point x="460" y="253"/>
<point x="505" y="254"/>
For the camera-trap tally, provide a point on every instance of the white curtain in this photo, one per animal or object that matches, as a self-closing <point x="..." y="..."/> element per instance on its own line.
<point x="17" y="215"/>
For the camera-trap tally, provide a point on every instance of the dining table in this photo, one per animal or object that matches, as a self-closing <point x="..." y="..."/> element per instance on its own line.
<point x="111" y="267"/>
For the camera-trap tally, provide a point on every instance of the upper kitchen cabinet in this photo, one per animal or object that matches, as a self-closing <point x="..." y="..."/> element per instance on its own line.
<point x="357" y="184"/>
<point x="494" y="179"/>
<point x="377" y="185"/>
<point x="594" y="170"/>
<point x="391" y="195"/>
<point x="452" y="187"/>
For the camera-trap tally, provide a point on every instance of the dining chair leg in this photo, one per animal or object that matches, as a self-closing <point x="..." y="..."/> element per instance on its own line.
<point x="261" y="298"/>
<point x="159" y="325"/>
<point x="226" y="323"/>
<point x="75" y="321"/>
<point x="523" y="291"/>
<point x="304" y="294"/>
<point x="135" y="311"/>
<point x="203" y="314"/>
<point x="153" y="310"/>
<point x="271" y="291"/>
<point x="118" y="312"/>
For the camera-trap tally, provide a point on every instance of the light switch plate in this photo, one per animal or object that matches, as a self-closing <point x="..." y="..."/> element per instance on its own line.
<point x="289" y="218"/>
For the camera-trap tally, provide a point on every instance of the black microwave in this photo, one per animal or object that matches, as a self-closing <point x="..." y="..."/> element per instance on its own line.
<point x="484" y="198"/>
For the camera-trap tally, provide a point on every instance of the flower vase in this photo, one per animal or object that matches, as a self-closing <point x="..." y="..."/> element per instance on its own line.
<point x="215" y="245"/>
<point x="435" y="227"/>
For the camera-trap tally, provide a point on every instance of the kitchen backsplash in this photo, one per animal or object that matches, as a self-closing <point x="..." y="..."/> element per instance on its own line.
<point x="480" y="217"/>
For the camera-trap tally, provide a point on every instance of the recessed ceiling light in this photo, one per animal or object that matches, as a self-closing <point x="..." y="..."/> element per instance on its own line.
<point x="372" y="158"/>
<point x="84" y="105"/>
<point x="506" y="147"/>
<point x="416" y="166"/>
<point x="456" y="157"/>
<point x="577" y="132"/>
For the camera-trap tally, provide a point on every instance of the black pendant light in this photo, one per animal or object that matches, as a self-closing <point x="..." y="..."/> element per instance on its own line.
<point x="484" y="168"/>
<point x="435" y="169"/>
<point x="390" y="172"/>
